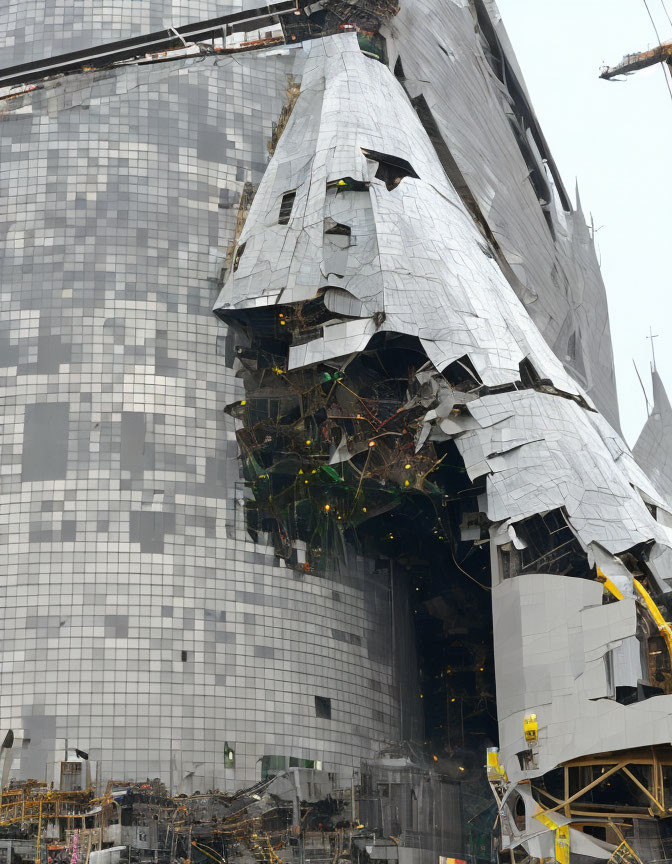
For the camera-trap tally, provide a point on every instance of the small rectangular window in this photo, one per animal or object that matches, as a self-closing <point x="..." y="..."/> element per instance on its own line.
<point x="295" y="762"/>
<point x="184" y="656"/>
<point x="286" y="207"/>
<point x="323" y="708"/>
<point x="272" y="765"/>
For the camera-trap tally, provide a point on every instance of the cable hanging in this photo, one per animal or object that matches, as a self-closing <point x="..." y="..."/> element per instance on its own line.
<point x="655" y="30"/>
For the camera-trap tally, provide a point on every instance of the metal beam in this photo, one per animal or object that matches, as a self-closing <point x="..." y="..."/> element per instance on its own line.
<point x="644" y="789"/>
<point x="138" y="46"/>
<point x="590" y="786"/>
<point x="632" y="62"/>
<point x="638" y="756"/>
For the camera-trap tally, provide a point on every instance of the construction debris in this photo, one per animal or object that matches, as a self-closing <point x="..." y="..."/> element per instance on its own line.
<point x="292" y="816"/>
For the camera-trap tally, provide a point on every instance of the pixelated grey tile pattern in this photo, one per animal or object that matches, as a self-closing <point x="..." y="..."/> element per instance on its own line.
<point x="551" y="255"/>
<point x="34" y="29"/>
<point x="140" y="620"/>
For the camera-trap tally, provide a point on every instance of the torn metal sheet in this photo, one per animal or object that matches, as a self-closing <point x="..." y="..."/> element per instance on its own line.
<point x="457" y="55"/>
<point x="573" y="527"/>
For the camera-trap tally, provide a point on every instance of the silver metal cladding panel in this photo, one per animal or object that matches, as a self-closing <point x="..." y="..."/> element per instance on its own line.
<point x="449" y="63"/>
<point x="416" y="263"/>
<point x="653" y="450"/>
<point x="554" y="638"/>
<point x="126" y="543"/>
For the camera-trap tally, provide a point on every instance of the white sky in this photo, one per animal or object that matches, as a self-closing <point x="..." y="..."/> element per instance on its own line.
<point x="616" y="139"/>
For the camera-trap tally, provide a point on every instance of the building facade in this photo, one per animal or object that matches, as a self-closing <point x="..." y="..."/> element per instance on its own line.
<point x="384" y="482"/>
<point x="142" y="624"/>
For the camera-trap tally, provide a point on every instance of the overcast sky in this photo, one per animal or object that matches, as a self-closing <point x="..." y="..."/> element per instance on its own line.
<point x="616" y="139"/>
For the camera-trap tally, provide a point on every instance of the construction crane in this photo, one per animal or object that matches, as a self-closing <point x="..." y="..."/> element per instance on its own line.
<point x="632" y="62"/>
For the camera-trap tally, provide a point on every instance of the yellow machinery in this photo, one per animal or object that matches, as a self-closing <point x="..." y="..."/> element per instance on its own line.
<point x="664" y="628"/>
<point x="632" y="62"/>
<point x="531" y="728"/>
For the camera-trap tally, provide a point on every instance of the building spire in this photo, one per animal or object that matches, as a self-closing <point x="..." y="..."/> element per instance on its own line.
<point x="652" y="336"/>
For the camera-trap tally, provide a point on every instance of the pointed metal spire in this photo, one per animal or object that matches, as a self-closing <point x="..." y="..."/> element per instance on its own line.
<point x="652" y="336"/>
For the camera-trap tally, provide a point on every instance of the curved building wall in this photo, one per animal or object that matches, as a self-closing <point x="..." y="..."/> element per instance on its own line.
<point x="498" y="158"/>
<point x="141" y="623"/>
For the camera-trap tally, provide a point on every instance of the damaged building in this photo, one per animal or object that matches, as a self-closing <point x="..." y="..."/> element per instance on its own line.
<point x="316" y="506"/>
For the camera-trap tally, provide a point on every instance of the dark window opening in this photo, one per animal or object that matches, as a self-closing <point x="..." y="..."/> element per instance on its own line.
<point x="286" y="207"/>
<point x="373" y="45"/>
<point x="391" y="169"/>
<point x="626" y="695"/>
<point x="229" y="756"/>
<point x="184" y="656"/>
<point x="295" y="762"/>
<point x="656" y="664"/>
<point x="322" y="708"/>
<point x="529" y="377"/>
<point x="238" y="256"/>
<point x="548" y="546"/>
<point x="462" y="375"/>
<point x="549" y="221"/>
<point x="272" y="765"/>
<point x="653" y="510"/>
<point x="337" y="228"/>
<point x="509" y="564"/>
<point x="526" y="760"/>
<point x="399" y="70"/>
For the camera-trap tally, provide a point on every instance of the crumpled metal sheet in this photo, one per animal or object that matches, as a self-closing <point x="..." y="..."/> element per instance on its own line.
<point x="552" y="636"/>
<point x="538" y="839"/>
<point x="414" y="249"/>
<point x="415" y="264"/>
<point x="445" y="60"/>
<point x="557" y="457"/>
<point x="417" y="257"/>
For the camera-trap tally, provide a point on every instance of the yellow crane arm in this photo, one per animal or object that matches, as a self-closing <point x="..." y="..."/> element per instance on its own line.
<point x="608" y="584"/>
<point x="633" y="62"/>
<point x="664" y="628"/>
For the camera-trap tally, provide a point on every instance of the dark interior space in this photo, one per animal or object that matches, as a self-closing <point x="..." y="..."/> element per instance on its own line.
<point x="331" y="453"/>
